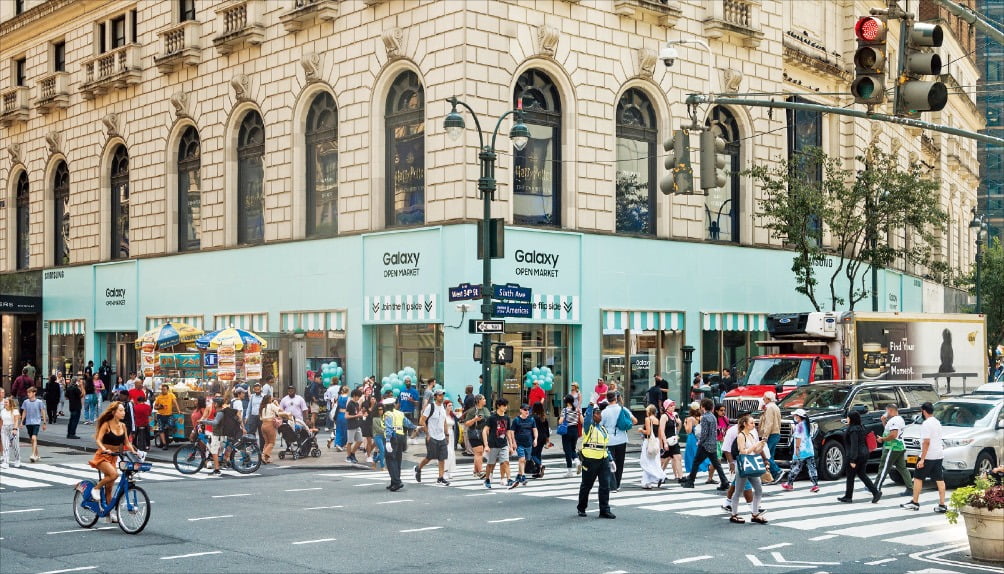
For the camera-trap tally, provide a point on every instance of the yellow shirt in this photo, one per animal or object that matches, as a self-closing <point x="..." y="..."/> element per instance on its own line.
<point x="164" y="404"/>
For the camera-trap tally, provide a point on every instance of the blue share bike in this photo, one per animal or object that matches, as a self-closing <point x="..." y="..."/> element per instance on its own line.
<point x="131" y="501"/>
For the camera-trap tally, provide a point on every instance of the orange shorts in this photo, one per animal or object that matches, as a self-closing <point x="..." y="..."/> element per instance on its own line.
<point x="100" y="457"/>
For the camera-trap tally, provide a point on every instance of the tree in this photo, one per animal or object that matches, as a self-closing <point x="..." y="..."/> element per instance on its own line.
<point x="992" y="292"/>
<point x="811" y="196"/>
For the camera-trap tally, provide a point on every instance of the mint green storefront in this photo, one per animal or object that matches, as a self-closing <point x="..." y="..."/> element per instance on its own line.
<point x="618" y="307"/>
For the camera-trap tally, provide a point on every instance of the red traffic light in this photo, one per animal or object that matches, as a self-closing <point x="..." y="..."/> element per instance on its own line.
<point x="870" y="29"/>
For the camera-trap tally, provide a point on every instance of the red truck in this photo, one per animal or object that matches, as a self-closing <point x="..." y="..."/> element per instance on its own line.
<point x="819" y="346"/>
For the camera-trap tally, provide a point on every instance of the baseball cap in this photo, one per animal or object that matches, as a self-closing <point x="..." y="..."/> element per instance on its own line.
<point x="388" y="401"/>
<point x="439" y="392"/>
<point x="800" y="412"/>
<point x="524" y="407"/>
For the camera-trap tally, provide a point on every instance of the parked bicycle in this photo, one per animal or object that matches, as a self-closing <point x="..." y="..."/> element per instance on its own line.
<point x="240" y="454"/>
<point x="130" y="501"/>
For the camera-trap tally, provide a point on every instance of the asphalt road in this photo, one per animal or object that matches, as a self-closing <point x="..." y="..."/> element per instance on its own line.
<point x="296" y="520"/>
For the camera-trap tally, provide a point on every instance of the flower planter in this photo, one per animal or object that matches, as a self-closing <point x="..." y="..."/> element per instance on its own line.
<point x="984" y="529"/>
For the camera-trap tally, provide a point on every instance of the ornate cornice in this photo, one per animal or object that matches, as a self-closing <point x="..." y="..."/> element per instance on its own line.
<point x="32" y="15"/>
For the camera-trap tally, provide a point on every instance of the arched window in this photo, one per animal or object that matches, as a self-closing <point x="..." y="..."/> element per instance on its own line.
<point x="721" y="206"/>
<point x="250" y="180"/>
<point x="636" y="163"/>
<point x="23" y="206"/>
<point x="405" y="151"/>
<point x="120" y="203"/>
<point x="189" y="191"/>
<point x="61" y="214"/>
<point x="322" y="166"/>
<point x="536" y="168"/>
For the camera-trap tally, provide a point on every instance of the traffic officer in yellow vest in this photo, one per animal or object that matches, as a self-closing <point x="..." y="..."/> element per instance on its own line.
<point x="395" y="426"/>
<point x="595" y="464"/>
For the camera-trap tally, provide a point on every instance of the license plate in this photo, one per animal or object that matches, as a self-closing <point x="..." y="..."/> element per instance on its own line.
<point x="912" y="459"/>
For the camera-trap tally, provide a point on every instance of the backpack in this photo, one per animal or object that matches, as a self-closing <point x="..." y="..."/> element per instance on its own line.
<point x="229" y="424"/>
<point x="624" y="420"/>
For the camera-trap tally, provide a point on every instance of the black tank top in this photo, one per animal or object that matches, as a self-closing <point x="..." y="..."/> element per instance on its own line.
<point x="112" y="439"/>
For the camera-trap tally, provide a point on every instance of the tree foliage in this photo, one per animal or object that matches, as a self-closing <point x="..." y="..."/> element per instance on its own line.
<point x="820" y="209"/>
<point x="992" y="291"/>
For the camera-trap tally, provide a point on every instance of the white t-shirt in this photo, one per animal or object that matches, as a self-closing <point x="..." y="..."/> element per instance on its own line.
<point x="896" y="423"/>
<point x="435" y="420"/>
<point x="931" y="429"/>
<point x="7" y="416"/>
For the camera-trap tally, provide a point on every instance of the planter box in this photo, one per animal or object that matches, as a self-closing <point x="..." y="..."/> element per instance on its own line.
<point x="984" y="529"/>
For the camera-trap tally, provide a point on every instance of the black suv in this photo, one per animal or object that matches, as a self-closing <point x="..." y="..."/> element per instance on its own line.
<point x="827" y="404"/>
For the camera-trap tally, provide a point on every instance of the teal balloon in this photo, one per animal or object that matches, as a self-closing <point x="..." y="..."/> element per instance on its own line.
<point x="549" y="378"/>
<point x="547" y="385"/>
<point x="385" y="380"/>
<point x="326" y="382"/>
<point x="339" y="371"/>
<point x="396" y="391"/>
<point x="398" y="385"/>
<point x="410" y="372"/>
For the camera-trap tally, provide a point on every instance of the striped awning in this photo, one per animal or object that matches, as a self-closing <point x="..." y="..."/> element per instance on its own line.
<point x="66" y="327"/>
<point x="197" y="321"/>
<point x="643" y="320"/>
<point x="734" y="321"/>
<point x="312" y="320"/>
<point x="254" y="322"/>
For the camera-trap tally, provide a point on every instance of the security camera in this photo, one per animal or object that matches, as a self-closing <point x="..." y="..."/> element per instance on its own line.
<point x="668" y="55"/>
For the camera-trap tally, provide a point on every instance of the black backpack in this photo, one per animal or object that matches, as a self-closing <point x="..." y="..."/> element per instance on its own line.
<point x="229" y="425"/>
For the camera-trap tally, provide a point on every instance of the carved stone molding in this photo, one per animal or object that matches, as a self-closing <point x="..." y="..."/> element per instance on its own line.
<point x="646" y="62"/>
<point x="311" y="64"/>
<point x="914" y="158"/>
<point x="180" y="102"/>
<point x="547" y="40"/>
<point x="241" y="85"/>
<point x="876" y="131"/>
<point x="393" y="41"/>
<point x="111" y="123"/>
<point x="14" y="150"/>
<point x="731" y="80"/>
<point x="895" y="146"/>
<point x="54" y="139"/>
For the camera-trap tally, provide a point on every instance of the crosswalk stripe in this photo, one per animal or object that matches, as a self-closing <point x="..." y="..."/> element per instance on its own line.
<point x="943" y="536"/>
<point x="47" y="475"/>
<point x="6" y="481"/>
<point x="66" y="471"/>
<point x="893" y="527"/>
<point x="843" y="518"/>
<point x="32" y="475"/>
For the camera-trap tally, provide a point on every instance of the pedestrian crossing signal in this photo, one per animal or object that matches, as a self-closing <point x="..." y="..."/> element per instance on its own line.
<point x="503" y="355"/>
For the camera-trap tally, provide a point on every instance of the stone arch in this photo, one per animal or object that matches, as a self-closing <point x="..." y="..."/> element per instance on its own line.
<point x="299" y="168"/>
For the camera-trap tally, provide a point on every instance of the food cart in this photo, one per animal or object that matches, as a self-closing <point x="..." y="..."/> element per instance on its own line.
<point x="168" y="355"/>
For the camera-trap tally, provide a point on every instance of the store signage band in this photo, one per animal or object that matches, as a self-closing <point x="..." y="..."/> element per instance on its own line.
<point x="390" y="308"/>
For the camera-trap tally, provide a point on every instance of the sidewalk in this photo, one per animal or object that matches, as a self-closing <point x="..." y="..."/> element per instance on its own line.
<point x="55" y="437"/>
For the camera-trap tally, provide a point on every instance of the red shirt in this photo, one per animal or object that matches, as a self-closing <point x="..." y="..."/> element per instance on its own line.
<point x="135" y="394"/>
<point x="537" y="395"/>
<point x="141" y="413"/>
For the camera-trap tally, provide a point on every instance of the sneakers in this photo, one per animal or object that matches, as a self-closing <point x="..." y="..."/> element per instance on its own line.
<point x="910" y="506"/>
<point x="95" y="495"/>
<point x="4" y="465"/>
<point x="33" y="458"/>
<point x="514" y="483"/>
<point x="569" y="473"/>
<point x="541" y="471"/>
<point x="352" y="458"/>
<point x="369" y="459"/>
<point x="907" y="492"/>
<point x="844" y="499"/>
<point x="488" y="484"/>
<point x="815" y="488"/>
<point x="687" y="483"/>
<point x="216" y="474"/>
<point x="722" y="487"/>
<point x="941" y="509"/>
<point x="877" y="496"/>
<point x="727" y="507"/>
<point x="418" y="474"/>
<point x="112" y="517"/>
<point x="787" y="486"/>
<point x="442" y="481"/>
<point x="510" y="482"/>
<point x="339" y="449"/>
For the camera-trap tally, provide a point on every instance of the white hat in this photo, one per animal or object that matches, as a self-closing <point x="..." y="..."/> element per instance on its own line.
<point x="800" y="413"/>
<point x="389" y="401"/>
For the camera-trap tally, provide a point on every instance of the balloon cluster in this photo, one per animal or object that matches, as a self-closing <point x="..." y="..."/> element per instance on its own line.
<point x="330" y="372"/>
<point x="394" y="382"/>
<point x="542" y="374"/>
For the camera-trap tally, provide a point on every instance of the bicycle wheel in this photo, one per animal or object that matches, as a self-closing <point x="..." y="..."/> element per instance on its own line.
<point x="246" y="458"/>
<point x="82" y="514"/>
<point x="189" y="459"/>
<point x="133" y="510"/>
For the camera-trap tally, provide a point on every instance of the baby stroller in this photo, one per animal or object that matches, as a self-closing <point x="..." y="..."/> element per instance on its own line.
<point x="300" y="441"/>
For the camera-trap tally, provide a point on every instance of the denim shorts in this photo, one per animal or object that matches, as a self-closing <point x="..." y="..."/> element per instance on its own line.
<point x="32" y="430"/>
<point x="523" y="451"/>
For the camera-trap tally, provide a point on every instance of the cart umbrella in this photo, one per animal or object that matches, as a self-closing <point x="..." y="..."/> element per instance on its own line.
<point x="229" y="336"/>
<point x="169" y="334"/>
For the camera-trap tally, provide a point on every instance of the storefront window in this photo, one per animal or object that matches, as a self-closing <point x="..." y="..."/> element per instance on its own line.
<point x="120" y="204"/>
<point x="535" y="346"/>
<point x="327" y="347"/>
<point x="322" y="166"/>
<point x="636" y="163"/>
<point x="405" y="122"/>
<point x="417" y="346"/>
<point x="537" y="167"/>
<point x="250" y="180"/>
<point x="61" y="214"/>
<point x="66" y="353"/>
<point x="189" y="191"/>
<point x="632" y="359"/>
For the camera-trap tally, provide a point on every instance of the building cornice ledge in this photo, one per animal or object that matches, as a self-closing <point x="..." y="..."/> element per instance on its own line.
<point x="38" y="12"/>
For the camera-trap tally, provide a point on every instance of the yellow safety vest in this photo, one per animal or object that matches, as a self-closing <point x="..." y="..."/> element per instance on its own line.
<point x="594" y="442"/>
<point x="396" y="421"/>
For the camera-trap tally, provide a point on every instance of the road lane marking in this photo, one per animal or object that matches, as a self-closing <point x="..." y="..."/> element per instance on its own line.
<point x="426" y="529"/>
<point x="230" y="495"/>
<point x="368" y="484"/>
<point x="692" y="559"/>
<point x="877" y="562"/>
<point x="17" y="511"/>
<point x="323" y="507"/>
<point x="480" y="494"/>
<point x="823" y="537"/>
<point x="775" y="546"/>
<point x="505" y="520"/>
<point x="193" y="555"/>
<point x="6" y="480"/>
<point x="315" y="541"/>
<point x="756" y="562"/>
<point x="81" y="530"/>
<point x="78" y="569"/>
<point x="210" y="517"/>
<point x="302" y="489"/>
<point x="396" y="502"/>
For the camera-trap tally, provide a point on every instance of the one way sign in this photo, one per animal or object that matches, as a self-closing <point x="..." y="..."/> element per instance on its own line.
<point x="489" y="327"/>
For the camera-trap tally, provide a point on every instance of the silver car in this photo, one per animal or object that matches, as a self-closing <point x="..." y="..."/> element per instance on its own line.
<point x="973" y="435"/>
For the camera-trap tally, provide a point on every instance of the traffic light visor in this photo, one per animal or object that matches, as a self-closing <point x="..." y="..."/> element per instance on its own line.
<point x="870" y="29"/>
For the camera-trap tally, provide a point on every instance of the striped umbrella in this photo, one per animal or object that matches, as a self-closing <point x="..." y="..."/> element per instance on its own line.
<point x="169" y="334"/>
<point x="231" y="335"/>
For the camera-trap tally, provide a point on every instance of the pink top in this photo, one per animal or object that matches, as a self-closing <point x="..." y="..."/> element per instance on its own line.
<point x="601" y="389"/>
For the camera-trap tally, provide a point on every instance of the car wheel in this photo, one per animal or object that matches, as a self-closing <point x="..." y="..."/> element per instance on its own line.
<point x="832" y="461"/>
<point x="985" y="463"/>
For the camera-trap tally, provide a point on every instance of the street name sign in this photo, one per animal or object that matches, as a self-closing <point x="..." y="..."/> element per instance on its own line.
<point x="465" y="292"/>
<point x="512" y="292"/>
<point x="517" y="310"/>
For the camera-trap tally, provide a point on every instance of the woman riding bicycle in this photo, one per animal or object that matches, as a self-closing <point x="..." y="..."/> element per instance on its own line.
<point x="112" y="439"/>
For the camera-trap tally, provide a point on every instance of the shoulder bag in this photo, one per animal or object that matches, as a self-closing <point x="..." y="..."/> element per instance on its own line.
<point x="652" y="446"/>
<point x="562" y="429"/>
<point x="751" y="465"/>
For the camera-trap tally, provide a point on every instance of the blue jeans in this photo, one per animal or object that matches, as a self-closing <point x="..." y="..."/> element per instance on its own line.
<point x="380" y="454"/>
<point x="91" y="407"/>
<point x="341" y="431"/>
<point x="772" y="441"/>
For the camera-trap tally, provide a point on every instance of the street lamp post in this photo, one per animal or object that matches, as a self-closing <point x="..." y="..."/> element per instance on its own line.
<point x="519" y="134"/>
<point x="688" y="360"/>
<point x="979" y="225"/>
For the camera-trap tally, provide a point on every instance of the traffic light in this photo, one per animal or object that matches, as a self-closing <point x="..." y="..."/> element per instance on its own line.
<point x="713" y="161"/>
<point x="680" y="176"/>
<point x="914" y="95"/>
<point x="868" y="86"/>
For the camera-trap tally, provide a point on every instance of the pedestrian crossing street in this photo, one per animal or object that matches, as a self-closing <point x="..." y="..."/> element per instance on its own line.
<point x="36" y="475"/>
<point x="815" y="516"/>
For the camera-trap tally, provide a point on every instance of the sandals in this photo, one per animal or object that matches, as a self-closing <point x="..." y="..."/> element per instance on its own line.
<point x="736" y="520"/>
<point x="759" y="519"/>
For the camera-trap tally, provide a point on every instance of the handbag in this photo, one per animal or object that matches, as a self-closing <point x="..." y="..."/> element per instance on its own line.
<point x="652" y="446"/>
<point x="673" y="440"/>
<point x="751" y="465"/>
<point x="871" y="442"/>
<point x="562" y="429"/>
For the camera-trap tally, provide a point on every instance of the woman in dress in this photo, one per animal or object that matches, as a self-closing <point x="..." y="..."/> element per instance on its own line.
<point x="576" y="395"/>
<point x="652" y="473"/>
<point x="270" y="416"/>
<point x="692" y="427"/>
<point x="669" y="427"/>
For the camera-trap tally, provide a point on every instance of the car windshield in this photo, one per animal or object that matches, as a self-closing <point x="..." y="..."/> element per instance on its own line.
<point x="813" y="397"/>
<point x="778" y="371"/>
<point x="952" y="414"/>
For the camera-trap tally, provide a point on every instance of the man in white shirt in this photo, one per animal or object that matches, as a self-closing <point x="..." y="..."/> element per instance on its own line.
<point x="293" y="404"/>
<point x="617" y="443"/>
<point x="932" y="454"/>
<point x="434" y="421"/>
